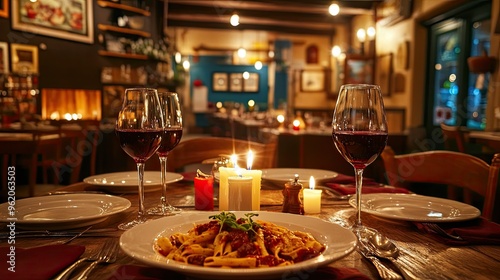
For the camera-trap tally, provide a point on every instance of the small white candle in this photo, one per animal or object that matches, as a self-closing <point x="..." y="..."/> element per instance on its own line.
<point x="312" y="198"/>
<point x="240" y="193"/>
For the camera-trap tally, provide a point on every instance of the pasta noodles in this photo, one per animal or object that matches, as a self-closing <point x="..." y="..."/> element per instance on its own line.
<point x="230" y="242"/>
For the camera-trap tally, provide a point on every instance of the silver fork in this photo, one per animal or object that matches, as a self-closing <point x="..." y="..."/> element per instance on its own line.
<point x="107" y="255"/>
<point x="437" y="229"/>
<point x="92" y="256"/>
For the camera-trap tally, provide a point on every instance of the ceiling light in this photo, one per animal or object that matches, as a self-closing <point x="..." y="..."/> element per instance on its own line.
<point x="235" y="20"/>
<point x="258" y="65"/>
<point x="361" y="34"/>
<point x="334" y="9"/>
<point x="370" y="32"/>
<point x="336" y="51"/>
<point x="242" y="52"/>
<point x="186" y="65"/>
<point x="246" y="75"/>
<point x="178" y="57"/>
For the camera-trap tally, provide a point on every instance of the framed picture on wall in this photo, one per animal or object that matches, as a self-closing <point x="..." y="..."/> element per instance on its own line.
<point x="4" y="8"/>
<point x="358" y="70"/>
<point x="70" y="20"/>
<point x="4" y="58"/>
<point x="219" y="82"/>
<point x="312" y="80"/>
<point x="383" y="73"/>
<point x="251" y="84"/>
<point x="236" y="82"/>
<point x="24" y="58"/>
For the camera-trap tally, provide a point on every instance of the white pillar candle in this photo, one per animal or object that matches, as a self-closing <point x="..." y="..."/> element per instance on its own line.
<point x="256" y="181"/>
<point x="256" y="176"/>
<point x="240" y="193"/>
<point x="311" y="198"/>
<point x="224" y="174"/>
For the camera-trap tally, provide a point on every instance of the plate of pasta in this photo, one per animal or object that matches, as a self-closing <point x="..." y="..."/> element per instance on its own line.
<point x="224" y="245"/>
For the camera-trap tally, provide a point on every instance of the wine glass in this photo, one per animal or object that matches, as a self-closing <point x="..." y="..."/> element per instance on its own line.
<point x="139" y="128"/>
<point x="359" y="132"/>
<point x="172" y="133"/>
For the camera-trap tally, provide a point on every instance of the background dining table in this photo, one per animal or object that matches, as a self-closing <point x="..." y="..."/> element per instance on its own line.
<point x="420" y="253"/>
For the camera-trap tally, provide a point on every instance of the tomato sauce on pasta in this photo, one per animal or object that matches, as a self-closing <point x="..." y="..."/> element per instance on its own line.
<point x="231" y="242"/>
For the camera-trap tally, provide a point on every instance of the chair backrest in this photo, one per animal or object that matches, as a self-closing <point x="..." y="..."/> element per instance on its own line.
<point x="196" y="150"/>
<point x="454" y="139"/>
<point x="445" y="167"/>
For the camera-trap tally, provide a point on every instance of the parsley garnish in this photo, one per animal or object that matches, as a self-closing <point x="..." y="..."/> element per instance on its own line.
<point x="229" y="219"/>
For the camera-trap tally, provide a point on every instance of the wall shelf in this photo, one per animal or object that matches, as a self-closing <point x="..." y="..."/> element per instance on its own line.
<point x="123" y="55"/>
<point x="107" y="4"/>
<point x="106" y="27"/>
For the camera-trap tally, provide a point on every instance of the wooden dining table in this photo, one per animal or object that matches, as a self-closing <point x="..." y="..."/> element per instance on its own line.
<point x="420" y="253"/>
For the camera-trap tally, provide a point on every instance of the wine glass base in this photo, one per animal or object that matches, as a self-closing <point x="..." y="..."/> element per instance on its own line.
<point x="131" y="224"/>
<point x="362" y="231"/>
<point x="163" y="210"/>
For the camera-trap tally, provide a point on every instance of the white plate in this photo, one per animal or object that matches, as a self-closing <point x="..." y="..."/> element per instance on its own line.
<point x="416" y="208"/>
<point x="57" y="212"/>
<point x="283" y="175"/>
<point x="138" y="244"/>
<point x="126" y="182"/>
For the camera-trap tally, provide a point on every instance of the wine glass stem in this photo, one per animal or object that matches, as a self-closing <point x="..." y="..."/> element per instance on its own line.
<point x="140" y="171"/>
<point x="163" y="169"/>
<point x="359" y="184"/>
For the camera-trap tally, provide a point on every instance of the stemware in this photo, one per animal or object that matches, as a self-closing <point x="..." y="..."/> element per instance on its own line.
<point x="172" y="134"/>
<point x="359" y="131"/>
<point x="139" y="128"/>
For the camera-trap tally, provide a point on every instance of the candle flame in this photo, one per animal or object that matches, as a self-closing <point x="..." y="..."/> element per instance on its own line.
<point x="312" y="183"/>
<point x="249" y="159"/>
<point x="234" y="160"/>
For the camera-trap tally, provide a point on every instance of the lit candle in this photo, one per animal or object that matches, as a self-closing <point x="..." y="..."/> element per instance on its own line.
<point x="312" y="198"/>
<point x="203" y="192"/>
<point x="224" y="174"/>
<point x="256" y="181"/>
<point x="296" y="125"/>
<point x="240" y="193"/>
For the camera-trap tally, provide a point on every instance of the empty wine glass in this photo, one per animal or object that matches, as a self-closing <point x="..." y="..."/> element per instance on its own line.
<point x="139" y="128"/>
<point x="172" y="134"/>
<point x="359" y="131"/>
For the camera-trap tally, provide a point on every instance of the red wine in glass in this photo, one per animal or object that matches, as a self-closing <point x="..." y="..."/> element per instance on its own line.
<point x="171" y="137"/>
<point x="172" y="134"/>
<point x="139" y="129"/>
<point x="139" y="144"/>
<point x="360" y="148"/>
<point x="359" y="131"/>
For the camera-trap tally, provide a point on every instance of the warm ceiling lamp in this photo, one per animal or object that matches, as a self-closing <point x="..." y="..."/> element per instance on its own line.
<point x="371" y="32"/>
<point x="258" y="65"/>
<point x="235" y="20"/>
<point x="361" y="34"/>
<point x="334" y="9"/>
<point x="242" y="52"/>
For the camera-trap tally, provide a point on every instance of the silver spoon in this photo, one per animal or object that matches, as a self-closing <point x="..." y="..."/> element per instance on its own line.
<point x="383" y="247"/>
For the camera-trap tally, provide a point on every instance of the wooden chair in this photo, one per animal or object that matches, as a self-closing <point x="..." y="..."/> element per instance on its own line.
<point x="197" y="150"/>
<point x="448" y="168"/>
<point x="456" y="139"/>
<point x="79" y="141"/>
<point x="28" y="151"/>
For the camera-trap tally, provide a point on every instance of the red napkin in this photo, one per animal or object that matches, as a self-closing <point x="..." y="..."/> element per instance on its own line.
<point x="42" y="262"/>
<point x="474" y="232"/>
<point x="346" y="185"/>
<point x="149" y="273"/>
